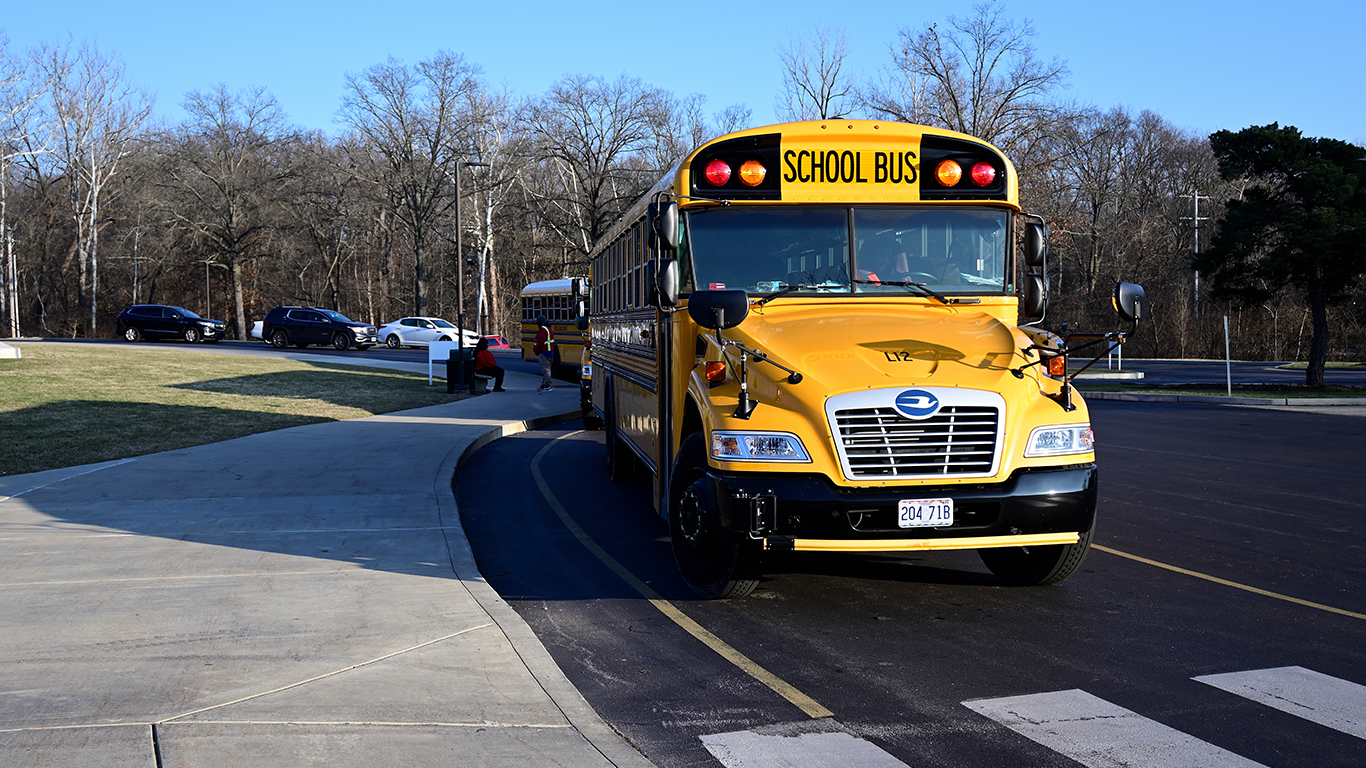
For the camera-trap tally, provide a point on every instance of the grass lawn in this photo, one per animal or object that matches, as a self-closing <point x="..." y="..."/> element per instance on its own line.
<point x="61" y="405"/>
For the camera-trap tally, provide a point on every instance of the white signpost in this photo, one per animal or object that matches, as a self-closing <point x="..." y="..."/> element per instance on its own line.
<point x="439" y="350"/>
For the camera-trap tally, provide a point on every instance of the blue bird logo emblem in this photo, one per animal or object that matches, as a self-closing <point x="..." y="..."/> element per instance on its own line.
<point x="917" y="404"/>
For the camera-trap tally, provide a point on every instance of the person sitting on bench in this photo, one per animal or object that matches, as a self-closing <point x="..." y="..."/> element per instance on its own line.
<point x="485" y="365"/>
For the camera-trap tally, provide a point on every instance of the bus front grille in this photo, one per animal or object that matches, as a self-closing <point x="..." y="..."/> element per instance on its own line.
<point x="881" y="443"/>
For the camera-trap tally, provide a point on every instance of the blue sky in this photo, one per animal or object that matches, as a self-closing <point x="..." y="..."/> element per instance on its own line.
<point x="1201" y="65"/>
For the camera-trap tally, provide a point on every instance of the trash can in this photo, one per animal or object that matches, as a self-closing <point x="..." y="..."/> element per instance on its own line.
<point x="460" y="370"/>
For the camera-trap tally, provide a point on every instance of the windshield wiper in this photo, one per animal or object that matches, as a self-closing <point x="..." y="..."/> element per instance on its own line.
<point x="921" y="287"/>
<point x="782" y="291"/>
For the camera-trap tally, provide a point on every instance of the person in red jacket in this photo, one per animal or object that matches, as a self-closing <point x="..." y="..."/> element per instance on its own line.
<point x="485" y="365"/>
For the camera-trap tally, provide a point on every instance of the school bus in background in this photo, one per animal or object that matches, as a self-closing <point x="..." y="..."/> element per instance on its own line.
<point x="559" y="301"/>
<point x="556" y="300"/>
<point x="817" y="336"/>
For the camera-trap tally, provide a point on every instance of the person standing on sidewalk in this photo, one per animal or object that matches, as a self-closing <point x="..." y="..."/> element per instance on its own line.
<point x="545" y="351"/>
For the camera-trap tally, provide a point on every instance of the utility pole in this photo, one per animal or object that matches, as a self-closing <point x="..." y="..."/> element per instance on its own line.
<point x="1195" y="225"/>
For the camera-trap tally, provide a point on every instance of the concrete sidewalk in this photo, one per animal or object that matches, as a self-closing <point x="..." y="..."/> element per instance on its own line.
<point x="298" y="597"/>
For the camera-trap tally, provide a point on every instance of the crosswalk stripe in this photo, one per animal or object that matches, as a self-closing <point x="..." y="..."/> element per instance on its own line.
<point x="809" y="744"/>
<point x="1098" y="734"/>
<point x="1314" y="696"/>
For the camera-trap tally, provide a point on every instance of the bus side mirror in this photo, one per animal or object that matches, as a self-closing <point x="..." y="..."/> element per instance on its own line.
<point x="1036" y="244"/>
<point x="1129" y="300"/>
<point x="718" y="310"/>
<point x="1034" y="296"/>
<point x="581" y="313"/>
<point x="661" y="281"/>
<point x="664" y="225"/>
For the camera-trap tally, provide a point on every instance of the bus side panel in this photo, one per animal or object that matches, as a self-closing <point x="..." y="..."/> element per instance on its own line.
<point x="638" y="419"/>
<point x="528" y="341"/>
<point x="623" y="349"/>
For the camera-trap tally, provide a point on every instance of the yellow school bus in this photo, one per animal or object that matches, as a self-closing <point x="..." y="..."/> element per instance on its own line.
<point x="826" y="336"/>
<point x="556" y="299"/>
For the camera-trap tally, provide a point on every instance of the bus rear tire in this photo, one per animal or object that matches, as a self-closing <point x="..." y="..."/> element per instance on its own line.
<point x="715" y="562"/>
<point x="1036" y="566"/>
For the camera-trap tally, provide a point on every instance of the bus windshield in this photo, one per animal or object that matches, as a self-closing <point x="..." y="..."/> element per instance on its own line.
<point x="768" y="249"/>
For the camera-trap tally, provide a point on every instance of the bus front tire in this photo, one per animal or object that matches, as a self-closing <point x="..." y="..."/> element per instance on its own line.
<point x="1036" y="566"/>
<point x="715" y="562"/>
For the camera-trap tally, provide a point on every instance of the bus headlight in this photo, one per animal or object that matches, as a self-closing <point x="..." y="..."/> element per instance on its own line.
<point x="757" y="446"/>
<point x="1060" y="440"/>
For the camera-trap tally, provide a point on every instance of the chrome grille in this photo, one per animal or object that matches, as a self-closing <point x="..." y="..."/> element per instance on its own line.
<point x="880" y="442"/>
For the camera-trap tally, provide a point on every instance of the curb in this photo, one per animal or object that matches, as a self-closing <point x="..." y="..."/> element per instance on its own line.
<point x="538" y="661"/>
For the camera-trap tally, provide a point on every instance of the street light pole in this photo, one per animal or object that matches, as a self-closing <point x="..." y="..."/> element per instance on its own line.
<point x="460" y="265"/>
<point x="208" y="308"/>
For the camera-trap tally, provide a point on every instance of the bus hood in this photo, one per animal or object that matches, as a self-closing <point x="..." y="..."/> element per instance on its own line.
<point x="846" y="349"/>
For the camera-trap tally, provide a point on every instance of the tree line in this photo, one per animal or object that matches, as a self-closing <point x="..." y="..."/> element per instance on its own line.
<point x="232" y="210"/>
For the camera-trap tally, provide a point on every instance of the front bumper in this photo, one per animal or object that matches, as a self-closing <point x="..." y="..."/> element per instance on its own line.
<point x="1032" y="508"/>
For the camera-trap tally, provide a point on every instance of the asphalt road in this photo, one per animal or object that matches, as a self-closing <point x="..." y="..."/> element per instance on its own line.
<point x="922" y="660"/>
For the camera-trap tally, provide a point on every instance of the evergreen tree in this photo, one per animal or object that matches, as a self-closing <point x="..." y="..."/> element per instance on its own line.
<point x="1301" y="224"/>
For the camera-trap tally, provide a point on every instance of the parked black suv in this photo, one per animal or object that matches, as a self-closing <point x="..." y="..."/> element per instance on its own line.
<point x="302" y="326"/>
<point x="155" y="321"/>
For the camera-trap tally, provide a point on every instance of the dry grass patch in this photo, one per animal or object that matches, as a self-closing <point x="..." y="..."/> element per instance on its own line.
<point x="63" y="405"/>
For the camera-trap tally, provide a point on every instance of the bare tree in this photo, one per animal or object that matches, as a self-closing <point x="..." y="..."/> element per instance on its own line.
<point x="815" y="86"/>
<point x="98" y="120"/>
<point x="496" y="142"/>
<point x="323" y="203"/>
<point x="590" y="136"/>
<point x="19" y="137"/>
<point x="736" y="117"/>
<point x="983" y="79"/>
<point x="411" y="117"/>
<point x="228" y="166"/>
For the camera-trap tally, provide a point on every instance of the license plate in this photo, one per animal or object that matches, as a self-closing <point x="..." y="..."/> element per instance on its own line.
<point x="924" y="513"/>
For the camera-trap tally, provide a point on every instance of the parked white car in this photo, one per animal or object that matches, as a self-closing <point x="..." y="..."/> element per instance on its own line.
<point x="421" y="331"/>
<point x="256" y="329"/>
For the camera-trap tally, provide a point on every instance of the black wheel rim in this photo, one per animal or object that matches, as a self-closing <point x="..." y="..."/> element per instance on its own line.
<point x="695" y="526"/>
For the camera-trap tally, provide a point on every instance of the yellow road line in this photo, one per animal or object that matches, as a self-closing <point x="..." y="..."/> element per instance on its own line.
<point x="803" y="702"/>
<point x="1234" y="584"/>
